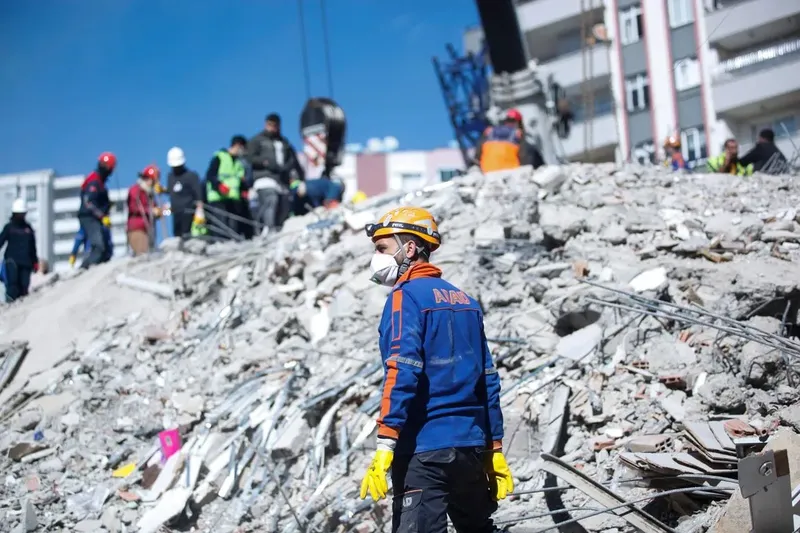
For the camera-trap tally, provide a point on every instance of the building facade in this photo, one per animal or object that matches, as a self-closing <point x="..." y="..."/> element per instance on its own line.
<point x="638" y="71"/>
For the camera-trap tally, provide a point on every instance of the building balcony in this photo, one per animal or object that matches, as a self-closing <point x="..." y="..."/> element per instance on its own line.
<point x="595" y="141"/>
<point x="758" y="81"/>
<point x="568" y="69"/>
<point x="537" y="14"/>
<point x="738" y="24"/>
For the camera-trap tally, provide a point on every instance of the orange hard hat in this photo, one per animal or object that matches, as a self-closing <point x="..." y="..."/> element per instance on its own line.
<point x="411" y="220"/>
<point x="150" y="172"/>
<point x="514" y="114"/>
<point x="108" y="160"/>
<point x="672" y="142"/>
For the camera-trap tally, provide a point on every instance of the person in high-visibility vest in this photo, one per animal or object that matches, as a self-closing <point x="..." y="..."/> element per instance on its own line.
<point x="225" y="185"/>
<point x="728" y="161"/>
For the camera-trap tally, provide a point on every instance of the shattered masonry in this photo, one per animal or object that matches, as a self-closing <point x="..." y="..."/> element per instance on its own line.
<point x="644" y="324"/>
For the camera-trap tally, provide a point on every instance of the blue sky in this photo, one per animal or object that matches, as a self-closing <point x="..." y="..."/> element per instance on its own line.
<point x="136" y="77"/>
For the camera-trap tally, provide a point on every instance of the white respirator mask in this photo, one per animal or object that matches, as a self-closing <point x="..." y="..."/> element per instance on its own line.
<point x="384" y="269"/>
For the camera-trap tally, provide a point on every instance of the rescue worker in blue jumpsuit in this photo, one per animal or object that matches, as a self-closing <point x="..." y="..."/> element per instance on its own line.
<point x="440" y="428"/>
<point x="20" y="259"/>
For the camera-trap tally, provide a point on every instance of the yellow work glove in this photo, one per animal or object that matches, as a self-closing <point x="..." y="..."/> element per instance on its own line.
<point x="157" y="212"/>
<point x="72" y="260"/>
<point x="158" y="189"/>
<point x="375" y="479"/>
<point x="500" y="481"/>
<point x="107" y="221"/>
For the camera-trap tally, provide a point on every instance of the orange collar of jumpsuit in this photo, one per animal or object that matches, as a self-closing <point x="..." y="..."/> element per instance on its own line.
<point x="420" y="270"/>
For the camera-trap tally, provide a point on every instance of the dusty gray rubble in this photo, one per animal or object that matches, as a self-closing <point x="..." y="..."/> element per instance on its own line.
<point x="644" y="325"/>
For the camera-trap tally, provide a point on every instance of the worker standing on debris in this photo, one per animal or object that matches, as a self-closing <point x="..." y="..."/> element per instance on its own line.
<point x="225" y="185"/>
<point x="93" y="213"/>
<point x="273" y="160"/>
<point x="674" y="156"/>
<point x="142" y="211"/>
<point x="185" y="193"/>
<point x="20" y="259"/>
<point x="504" y="147"/>
<point x="728" y="161"/>
<point x="440" y="427"/>
<point x="82" y="242"/>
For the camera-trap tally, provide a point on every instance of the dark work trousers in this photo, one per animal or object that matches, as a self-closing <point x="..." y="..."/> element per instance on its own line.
<point x="246" y="228"/>
<point x="218" y="218"/>
<point x="430" y="486"/>
<point x="93" y="229"/>
<point x="182" y="223"/>
<point x="18" y="280"/>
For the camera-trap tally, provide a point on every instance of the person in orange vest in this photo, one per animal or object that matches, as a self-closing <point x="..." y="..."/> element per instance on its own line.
<point x="674" y="156"/>
<point x="504" y="147"/>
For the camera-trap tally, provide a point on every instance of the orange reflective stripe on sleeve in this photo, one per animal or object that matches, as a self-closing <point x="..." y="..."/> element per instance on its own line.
<point x="397" y="315"/>
<point x="391" y="365"/>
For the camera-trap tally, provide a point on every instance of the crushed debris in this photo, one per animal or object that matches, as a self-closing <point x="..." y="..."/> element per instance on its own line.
<point x="644" y="325"/>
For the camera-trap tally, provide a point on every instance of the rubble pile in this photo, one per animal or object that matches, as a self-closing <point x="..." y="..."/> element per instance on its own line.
<point x="644" y="325"/>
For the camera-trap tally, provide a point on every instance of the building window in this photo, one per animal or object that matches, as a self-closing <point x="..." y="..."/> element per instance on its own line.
<point x="448" y="174"/>
<point x="687" y="74"/>
<point x="637" y="93"/>
<point x="680" y="12"/>
<point x="693" y="146"/>
<point x="412" y="180"/>
<point x="644" y="153"/>
<point x="30" y="193"/>
<point x="630" y="25"/>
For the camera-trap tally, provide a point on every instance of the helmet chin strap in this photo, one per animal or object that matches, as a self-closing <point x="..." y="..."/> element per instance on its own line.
<point x="406" y="263"/>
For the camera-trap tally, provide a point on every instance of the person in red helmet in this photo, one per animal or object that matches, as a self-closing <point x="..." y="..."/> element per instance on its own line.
<point x="93" y="213"/>
<point x="504" y="147"/>
<point x="142" y="210"/>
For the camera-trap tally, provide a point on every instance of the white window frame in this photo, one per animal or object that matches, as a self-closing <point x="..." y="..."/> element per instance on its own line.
<point x="687" y="73"/>
<point x="629" y="29"/>
<point x="681" y="12"/>
<point x="645" y="153"/>
<point x="637" y="87"/>
<point x="694" y="139"/>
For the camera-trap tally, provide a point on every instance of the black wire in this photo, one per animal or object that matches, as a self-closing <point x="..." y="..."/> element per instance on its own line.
<point x="327" y="46"/>
<point x="304" y="46"/>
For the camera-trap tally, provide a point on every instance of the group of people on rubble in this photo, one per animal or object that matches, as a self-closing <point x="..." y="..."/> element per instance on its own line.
<point x="250" y="187"/>
<point x="765" y="156"/>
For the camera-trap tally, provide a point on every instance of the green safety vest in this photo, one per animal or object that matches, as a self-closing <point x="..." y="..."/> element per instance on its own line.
<point x="716" y="163"/>
<point x="231" y="173"/>
<point x="198" y="230"/>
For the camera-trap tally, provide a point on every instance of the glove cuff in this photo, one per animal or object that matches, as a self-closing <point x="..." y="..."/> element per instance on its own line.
<point x="386" y="444"/>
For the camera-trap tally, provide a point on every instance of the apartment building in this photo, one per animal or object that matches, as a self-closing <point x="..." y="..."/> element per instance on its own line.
<point x="706" y="70"/>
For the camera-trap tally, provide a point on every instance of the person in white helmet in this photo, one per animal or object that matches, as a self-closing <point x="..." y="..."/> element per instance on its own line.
<point x="185" y="192"/>
<point x="20" y="259"/>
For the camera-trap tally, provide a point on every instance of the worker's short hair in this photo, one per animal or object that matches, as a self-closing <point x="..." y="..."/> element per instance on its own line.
<point x="725" y="144"/>
<point x="273" y="117"/>
<point x="767" y="134"/>
<point x="239" y="140"/>
<point x="421" y="245"/>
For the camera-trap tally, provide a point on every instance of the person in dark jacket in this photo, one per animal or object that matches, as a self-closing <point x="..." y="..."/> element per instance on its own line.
<point x="185" y="193"/>
<point x="226" y="186"/>
<point x="20" y="259"/>
<point x="273" y="161"/>
<point x="765" y="156"/>
<point x="93" y="213"/>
